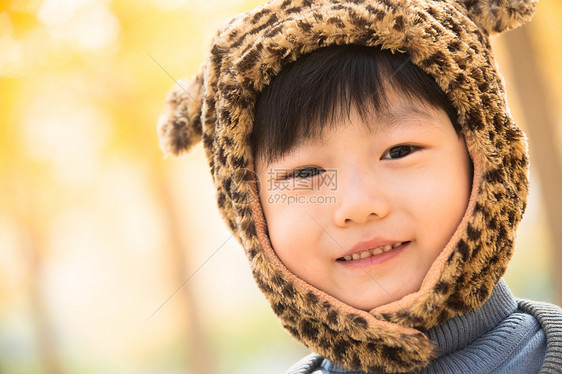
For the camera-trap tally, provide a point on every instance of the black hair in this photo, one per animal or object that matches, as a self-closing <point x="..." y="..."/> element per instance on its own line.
<point x="322" y="87"/>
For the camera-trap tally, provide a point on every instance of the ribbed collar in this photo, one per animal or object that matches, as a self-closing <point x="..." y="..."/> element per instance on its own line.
<point x="457" y="333"/>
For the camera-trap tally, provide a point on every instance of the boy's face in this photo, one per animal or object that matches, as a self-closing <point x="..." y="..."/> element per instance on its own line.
<point x="363" y="211"/>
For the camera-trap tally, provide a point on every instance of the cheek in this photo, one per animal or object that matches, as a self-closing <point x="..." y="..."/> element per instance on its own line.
<point x="448" y="203"/>
<point x="292" y="233"/>
<point x="437" y="199"/>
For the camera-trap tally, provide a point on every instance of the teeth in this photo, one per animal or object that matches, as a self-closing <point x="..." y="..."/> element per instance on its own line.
<point x="377" y="251"/>
<point x="372" y="252"/>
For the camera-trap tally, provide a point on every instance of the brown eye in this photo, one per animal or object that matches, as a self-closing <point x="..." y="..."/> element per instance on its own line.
<point x="399" y="151"/>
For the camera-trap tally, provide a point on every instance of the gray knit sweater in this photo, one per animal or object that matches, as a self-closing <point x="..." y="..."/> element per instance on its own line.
<point x="503" y="336"/>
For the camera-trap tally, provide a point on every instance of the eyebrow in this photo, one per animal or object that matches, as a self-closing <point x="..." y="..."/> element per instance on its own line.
<point x="395" y="116"/>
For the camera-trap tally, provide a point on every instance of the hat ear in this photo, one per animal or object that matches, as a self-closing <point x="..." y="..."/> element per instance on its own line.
<point x="496" y="16"/>
<point x="179" y="127"/>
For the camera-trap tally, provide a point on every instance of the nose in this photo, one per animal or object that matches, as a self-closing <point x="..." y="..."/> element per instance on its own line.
<point x="359" y="200"/>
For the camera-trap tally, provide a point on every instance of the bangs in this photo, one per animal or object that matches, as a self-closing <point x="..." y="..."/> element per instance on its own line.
<point x="321" y="88"/>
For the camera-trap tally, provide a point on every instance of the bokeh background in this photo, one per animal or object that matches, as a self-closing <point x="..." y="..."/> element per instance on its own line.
<point x="114" y="259"/>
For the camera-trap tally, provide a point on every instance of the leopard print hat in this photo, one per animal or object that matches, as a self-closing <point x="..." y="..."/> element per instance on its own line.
<point x="449" y="40"/>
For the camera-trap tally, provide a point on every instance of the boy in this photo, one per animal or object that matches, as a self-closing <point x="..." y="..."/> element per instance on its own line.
<point x="389" y="176"/>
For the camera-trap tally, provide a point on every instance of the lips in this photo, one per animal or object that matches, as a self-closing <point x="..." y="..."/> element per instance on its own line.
<point x="359" y="254"/>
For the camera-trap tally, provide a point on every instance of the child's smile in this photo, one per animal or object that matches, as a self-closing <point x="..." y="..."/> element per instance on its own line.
<point x="367" y="250"/>
<point x="402" y="187"/>
<point x="357" y="256"/>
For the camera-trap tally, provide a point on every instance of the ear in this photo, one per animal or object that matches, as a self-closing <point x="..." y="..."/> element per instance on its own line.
<point x="495" y="16"/>
<point x="179" y="127"/>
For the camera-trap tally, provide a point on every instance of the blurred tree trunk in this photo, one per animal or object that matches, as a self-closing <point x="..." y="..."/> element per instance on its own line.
<point x="30" y="210"/>
<point x="200" y="357"/>
<point x="44" y="331"/>
<point x="541" y="127"/>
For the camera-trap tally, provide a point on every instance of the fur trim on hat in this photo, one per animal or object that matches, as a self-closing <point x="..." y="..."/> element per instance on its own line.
<point x="496" y="16"/>
<point x="179" y="127"/>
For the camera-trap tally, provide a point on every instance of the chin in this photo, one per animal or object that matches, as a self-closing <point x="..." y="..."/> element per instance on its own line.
<point x="380" y="300"/>
<point x="383" y="298"/>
